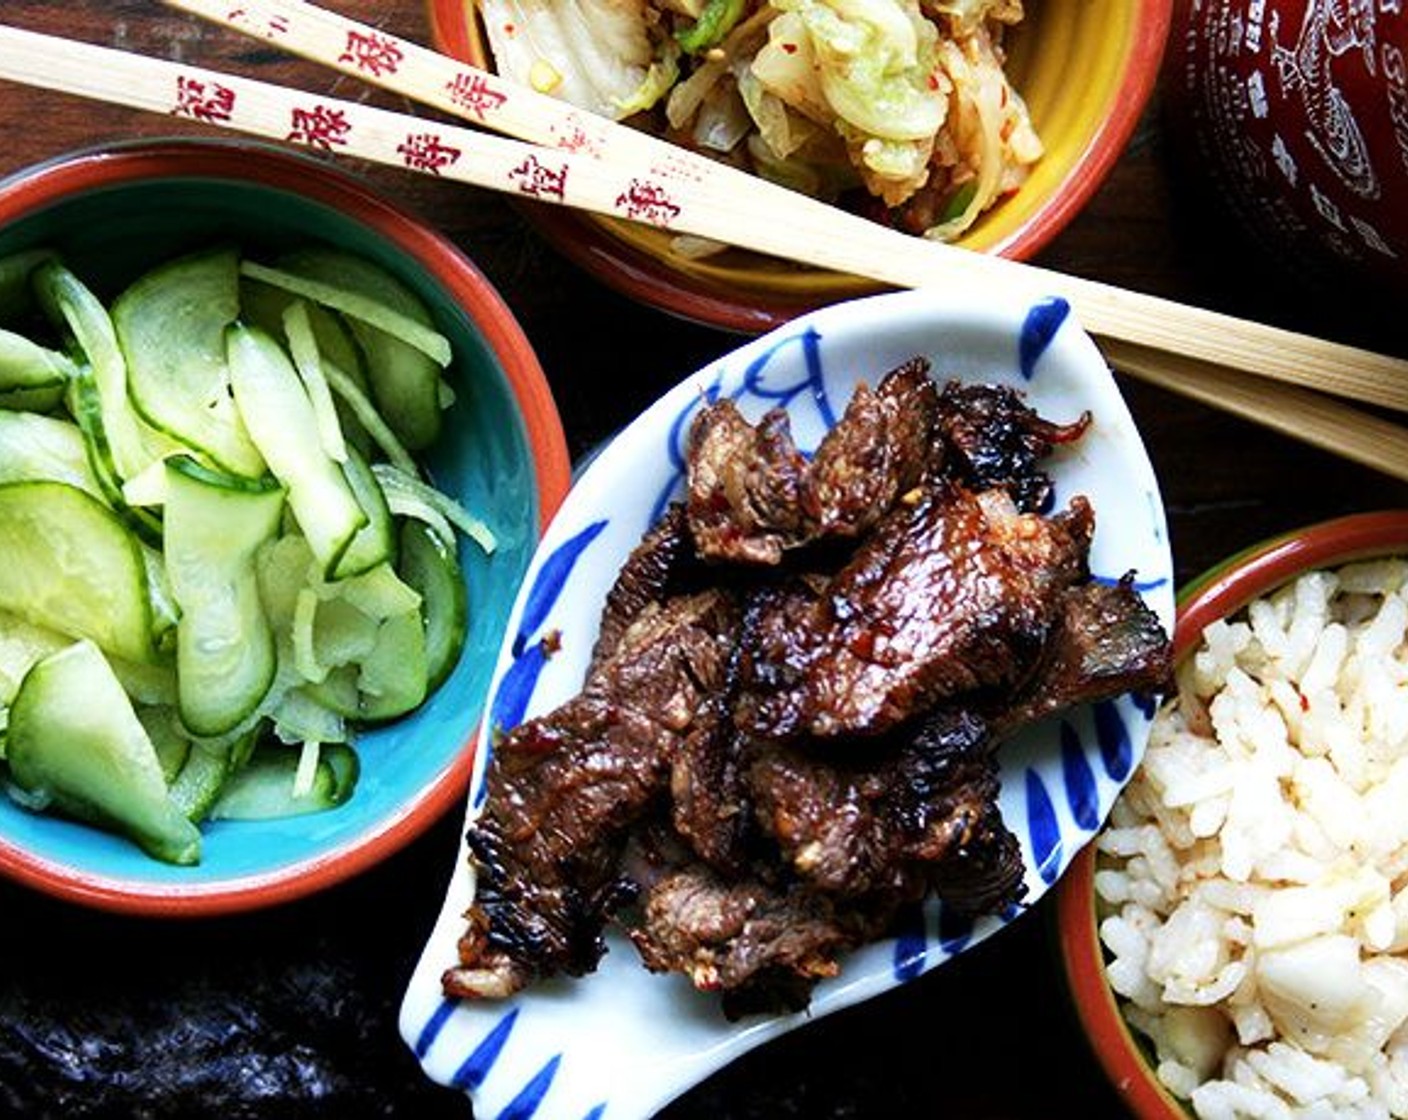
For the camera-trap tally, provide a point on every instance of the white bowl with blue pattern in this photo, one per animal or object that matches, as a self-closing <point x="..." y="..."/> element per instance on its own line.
<point x="622" y="1042"/>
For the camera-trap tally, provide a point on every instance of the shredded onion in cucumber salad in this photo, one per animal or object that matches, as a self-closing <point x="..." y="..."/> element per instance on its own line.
<point x="906" y="99"/>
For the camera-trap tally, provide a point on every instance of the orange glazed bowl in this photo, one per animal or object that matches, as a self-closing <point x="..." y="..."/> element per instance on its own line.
<point x="1085" y="68"/>
<point x="1258" y="1032"/>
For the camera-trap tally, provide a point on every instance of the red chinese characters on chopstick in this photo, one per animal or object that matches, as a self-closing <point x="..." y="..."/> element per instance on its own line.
<point x="372" y="53"/>
<point x="472" y="93"/>
<point x="319" y="127"/>
<point x="424" y="151"/>
<point x="203" y="101"/>
<point x="645" y="201"/>
<point x="537" y="180"/>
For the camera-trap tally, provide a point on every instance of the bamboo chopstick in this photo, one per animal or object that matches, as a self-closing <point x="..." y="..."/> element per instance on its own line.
<point x="1307" y="416"/>
<point x="770" y="218"/>
<point x="1184" y="349"/>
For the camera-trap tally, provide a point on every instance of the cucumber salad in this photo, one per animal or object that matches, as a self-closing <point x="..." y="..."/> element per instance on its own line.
<point x="218" y="556"/>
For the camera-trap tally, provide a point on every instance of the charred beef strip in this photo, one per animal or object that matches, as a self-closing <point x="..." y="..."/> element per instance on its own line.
<point x="711" y="810"/>
<point x="761" y="947"/>
<point x="993" y="439"/>
<point x="1105" y="642"/>
<point x="883" y="446"/>
<point x="662" y="565"/>
<point x="564" y="789"/>
<point x="853" y="824"/>
<point x="753" y="496"/>
<point x="745" y="486"/>
<point x="954" y="594"/>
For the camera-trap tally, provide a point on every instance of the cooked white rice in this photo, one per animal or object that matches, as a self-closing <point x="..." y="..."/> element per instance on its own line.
<point x="1255" y="871"/>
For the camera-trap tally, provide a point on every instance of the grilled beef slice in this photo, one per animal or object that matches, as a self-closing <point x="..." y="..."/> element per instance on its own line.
<point x="662" y="564"/>
<point x="854" y="824"/>
<point x="763" y="947"/>
<point x="745" y="486"/>
<point x="954" y="594"/>
<point x="753" y="496"/>
<point x="1105" y="642"/>
<point x="564" y="788"/>
<point x="882" y="447"/>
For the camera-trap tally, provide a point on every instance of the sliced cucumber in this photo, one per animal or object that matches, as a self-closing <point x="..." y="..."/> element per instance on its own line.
<point x="69" y="563"/>
<point x="74" y="307"/>
<point x="147" y="683"/>
<point x="346" y="768"/>
<point x="410" y="497"/>
<point x="35" y="448"/>
<point x="378" y="592"/>
<point x="264" y="788"/>
<point x="354" y="399"/>
<point x="285" y="567"/>
<point x="342" y="634"/>
<point x="428" y="565"/>
<point x="301" y="717"/>
<point x="74" y="738"/>
<point x="281" y="421"/>
<point x="163" y="728"/>
<point x="22" y="644"/>
<point x="337" y="692"/>
<point x="86" y="406"/>
<point x="165" y="612"/>
<point x="197" y="787"/>
<point x="395" y="676"/>
<point x="404" y="353"/>
<point x="27" y="365"/>
<point x="171" y="327"/>
<point x="225" y="654"/>
<point x="303" y="348"/>
<point x="263" y="306"/>
<point x="366" y="293"/>
<point x="375" y="542"/>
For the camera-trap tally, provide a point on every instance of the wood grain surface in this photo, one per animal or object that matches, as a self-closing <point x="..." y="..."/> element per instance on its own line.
<point x="293" y="1012"/>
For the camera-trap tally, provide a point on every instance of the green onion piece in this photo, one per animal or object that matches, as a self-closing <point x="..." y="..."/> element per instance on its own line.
<point x="715" y="21"/>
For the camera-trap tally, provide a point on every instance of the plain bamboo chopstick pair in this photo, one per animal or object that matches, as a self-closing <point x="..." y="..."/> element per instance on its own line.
<point x="599" y="166"/>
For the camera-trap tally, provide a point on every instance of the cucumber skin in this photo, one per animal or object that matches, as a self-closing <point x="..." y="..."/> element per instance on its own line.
<point x="428" y="565"/>
<point x="263" y="789"/>
<point x="280" y="419"/>
<point x="117" y="592"/>
<point x="71" y="702"/>
<point x="214" y="528"/>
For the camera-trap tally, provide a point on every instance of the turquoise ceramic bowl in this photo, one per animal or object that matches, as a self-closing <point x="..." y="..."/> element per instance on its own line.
<point x="115" y="212"/>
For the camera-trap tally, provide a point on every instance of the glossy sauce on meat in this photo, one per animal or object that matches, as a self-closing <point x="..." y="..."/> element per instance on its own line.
<point x="786" y="734"/>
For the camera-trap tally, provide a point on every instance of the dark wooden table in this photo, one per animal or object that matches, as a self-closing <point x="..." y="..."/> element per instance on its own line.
<point x="293" y="1012"/>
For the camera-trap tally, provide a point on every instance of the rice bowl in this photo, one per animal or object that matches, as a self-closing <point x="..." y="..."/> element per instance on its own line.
<point x="1252" y="877"/>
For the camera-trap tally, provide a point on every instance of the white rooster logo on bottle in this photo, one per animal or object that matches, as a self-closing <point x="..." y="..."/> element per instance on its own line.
<point x="1330" y="30"/>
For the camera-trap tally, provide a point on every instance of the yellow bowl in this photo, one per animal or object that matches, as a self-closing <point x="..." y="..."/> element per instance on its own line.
<point x="1086" y="69"/>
